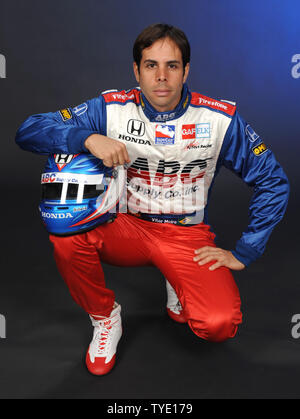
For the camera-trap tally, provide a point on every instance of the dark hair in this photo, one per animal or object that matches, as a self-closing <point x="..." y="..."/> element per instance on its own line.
<point x="159" y="31"/>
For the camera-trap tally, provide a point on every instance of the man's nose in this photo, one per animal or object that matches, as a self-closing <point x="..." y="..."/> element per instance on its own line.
<point x="161" y="74"/>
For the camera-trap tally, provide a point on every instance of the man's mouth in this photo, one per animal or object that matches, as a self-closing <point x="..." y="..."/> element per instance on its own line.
<point x="162" y="92"/>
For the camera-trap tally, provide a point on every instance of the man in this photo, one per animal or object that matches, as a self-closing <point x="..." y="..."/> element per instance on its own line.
<point x="174" y="143"/>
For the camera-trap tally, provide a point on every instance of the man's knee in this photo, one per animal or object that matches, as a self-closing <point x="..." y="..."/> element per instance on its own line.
<point x="216" y="328"/>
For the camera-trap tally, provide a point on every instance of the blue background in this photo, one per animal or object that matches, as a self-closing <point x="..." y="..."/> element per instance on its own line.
<point x="61" y="53"/>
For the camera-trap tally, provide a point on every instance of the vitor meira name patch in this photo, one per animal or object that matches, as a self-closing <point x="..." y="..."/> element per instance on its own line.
<point x="65" y="114"/>
<point x="259" y="149"/>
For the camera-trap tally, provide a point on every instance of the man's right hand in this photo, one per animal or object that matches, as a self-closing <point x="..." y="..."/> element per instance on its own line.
<point x="111" y="152"/>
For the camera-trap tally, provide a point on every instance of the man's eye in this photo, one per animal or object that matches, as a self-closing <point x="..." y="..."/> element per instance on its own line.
<point x="150" y="65"/>
<point x="173" y="66"/>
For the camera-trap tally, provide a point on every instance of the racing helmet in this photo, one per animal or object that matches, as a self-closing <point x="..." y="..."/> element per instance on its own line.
<point x="78" y="193"/>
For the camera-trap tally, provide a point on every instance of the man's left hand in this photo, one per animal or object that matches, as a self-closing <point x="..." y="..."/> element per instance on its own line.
<point x="222" y="257"/>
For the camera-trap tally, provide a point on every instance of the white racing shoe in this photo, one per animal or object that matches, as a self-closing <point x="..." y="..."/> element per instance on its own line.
<point x="174" y="308"/>
<point x="101" y="355"/>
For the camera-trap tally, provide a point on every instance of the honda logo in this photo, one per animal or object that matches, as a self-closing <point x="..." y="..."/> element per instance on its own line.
<point x="63" y="158"/>
<point x="136" y="127"/>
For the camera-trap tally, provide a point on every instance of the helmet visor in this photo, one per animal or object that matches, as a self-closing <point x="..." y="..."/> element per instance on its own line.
<point x="53" y="191"/>
<point x="70" y="186"/>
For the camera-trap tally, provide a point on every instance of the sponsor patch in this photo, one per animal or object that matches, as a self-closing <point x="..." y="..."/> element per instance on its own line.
<point x="133" y="139"/>
<point x="77" y="209"/>
<point x="163" y="117"/>
<point x="122" y="96"/>
<point x="259" y="149"/>
<point x="203" y="130"/>
<point x="65" y="114"/>
<point x="48" y="177"/>
<point x="196" y="131"/>
<point x="189" y="132"/>
<point x="251" y="134"/>
<point x="80" y="109"/>
<point x="194" y="145"/>
<point x="62" y="160"/>
<point x="136" y="127"/>
<point x="185" y="221"/>
<point x="165" y="134"/>
<point x="201" y="100"/>
<point x="57" y="216"/>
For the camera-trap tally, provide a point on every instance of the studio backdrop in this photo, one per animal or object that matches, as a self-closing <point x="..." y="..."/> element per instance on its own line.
<point x="57" y="54"/>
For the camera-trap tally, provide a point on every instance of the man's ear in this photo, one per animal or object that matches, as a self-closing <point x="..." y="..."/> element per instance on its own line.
<point x="136" y="72"/>
<point x="186" y="72"/>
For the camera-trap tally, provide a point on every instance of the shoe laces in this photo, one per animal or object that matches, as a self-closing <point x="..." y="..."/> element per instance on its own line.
<point x="103" y="336"/>
<point x="177" y="308"/>
<point x="172" y="298"/>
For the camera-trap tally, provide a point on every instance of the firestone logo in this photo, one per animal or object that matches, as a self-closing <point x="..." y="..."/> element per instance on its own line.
<point x="212" y="103"/>
<point x="2" y="67"/>
<point x="122" y="97"/>
<point x="296" y="68"/>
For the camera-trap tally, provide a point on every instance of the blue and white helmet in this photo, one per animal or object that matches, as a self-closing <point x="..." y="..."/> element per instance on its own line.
<point x="78" y="193"/>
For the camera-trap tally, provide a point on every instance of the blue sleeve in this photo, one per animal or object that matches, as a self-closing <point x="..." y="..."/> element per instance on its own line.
<point x="64" y="131"/>
<point x="244" y="153"/>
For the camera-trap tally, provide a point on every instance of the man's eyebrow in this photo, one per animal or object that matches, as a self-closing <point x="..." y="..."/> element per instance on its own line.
<point x="150" y="61"/>
<point x="168" y="62"/>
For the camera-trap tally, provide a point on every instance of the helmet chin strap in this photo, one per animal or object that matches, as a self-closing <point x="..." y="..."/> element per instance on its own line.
<point x="115" y="189"/>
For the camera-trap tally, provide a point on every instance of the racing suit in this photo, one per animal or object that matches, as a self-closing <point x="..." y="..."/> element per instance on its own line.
<point x="175" y="157"/>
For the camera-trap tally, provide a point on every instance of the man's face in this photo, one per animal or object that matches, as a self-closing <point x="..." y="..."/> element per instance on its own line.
<point x="161" y="74"/>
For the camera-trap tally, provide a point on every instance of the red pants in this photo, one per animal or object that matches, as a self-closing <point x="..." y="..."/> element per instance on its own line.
<point x="210" y="299"/>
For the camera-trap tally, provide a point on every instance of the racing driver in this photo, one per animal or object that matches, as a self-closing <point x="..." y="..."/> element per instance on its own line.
<point x="173" y="143"/>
